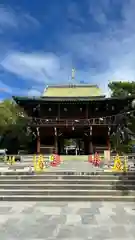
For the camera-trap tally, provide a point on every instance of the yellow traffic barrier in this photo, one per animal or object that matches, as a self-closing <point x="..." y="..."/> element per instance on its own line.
<point x="117" y="164"/>
<point x="35" y="163"/>
<point x="125" y="165"/>
<point x="39" y="164"/>
<point x="9" y="160"/>
<point x="51" y="158"/>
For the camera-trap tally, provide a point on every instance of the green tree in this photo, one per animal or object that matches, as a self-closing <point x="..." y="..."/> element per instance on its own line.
<point x="13" y="127"/>
<point x="122" y="89"/>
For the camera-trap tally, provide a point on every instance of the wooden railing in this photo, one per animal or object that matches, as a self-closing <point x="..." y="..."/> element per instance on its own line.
<point x="70" y="122"/>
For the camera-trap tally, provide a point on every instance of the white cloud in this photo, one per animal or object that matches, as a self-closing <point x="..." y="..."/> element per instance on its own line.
<point x="7" y="18"/>
<point x="33" y="92"/>
<point x="43" y="68"/>
<point x="9" y="91"/>
<point x="10" y="18"/>
<point x="98" y="13"/>
<point x="112" y="50"/>
<point x="109" y="55"/>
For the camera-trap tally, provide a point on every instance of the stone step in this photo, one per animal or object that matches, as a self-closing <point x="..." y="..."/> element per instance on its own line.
<point x="63" y="192"/>
<point x="68" y="172"/>
<point x="49" y="168"/>
<point x="64" y="177"/>
<point x="67" y="198"/>
<point x="66" y="181"/>
<point x="78" y="187"/>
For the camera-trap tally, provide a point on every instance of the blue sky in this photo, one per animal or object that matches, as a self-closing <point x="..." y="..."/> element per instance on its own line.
<point x="40" y="42"/>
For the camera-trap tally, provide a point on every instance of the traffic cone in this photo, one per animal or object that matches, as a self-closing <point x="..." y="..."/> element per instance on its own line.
<point x="99" y="161"/>
<point x="55" y="160"/>
<point x="52" y="161"/>
<point x="96" y="160"/>
<point x="90" y="158"/>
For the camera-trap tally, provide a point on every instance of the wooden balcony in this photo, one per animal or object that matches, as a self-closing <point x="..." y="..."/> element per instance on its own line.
<point x="108" y="121"/>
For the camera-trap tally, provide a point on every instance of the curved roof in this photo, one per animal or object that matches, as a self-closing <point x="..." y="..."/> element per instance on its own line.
<point x="82" y="90"/>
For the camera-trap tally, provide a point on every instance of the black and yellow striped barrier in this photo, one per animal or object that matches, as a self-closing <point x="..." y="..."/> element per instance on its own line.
<point x="9" y="160"/>
<point x="40" y="163"/>
<point x="119" y="165"/>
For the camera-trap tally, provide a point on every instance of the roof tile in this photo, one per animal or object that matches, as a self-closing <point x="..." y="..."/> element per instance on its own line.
<point x="73" y="91"/>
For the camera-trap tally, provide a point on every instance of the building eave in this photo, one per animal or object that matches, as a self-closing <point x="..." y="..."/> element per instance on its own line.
<point x="70" y="99"/>
<point x="53" y="99"/>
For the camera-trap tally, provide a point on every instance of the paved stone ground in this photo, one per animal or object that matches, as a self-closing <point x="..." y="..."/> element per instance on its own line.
<point x="67" y="221"/>
<point x="79" y="166"/>
<point x="73" y="165"/>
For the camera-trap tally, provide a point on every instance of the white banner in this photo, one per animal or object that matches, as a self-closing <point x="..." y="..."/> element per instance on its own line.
<point x="107" y="156"/>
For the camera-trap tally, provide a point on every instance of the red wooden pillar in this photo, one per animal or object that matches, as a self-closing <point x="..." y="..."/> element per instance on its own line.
<point x="56" y="145"/>
<point x="38" y="141"/>
<point x="56" y="140"/>
<point x="108" y="139"/>
<point x="90" y="147"/>
<point x="38" y="145"/>
<point x="90" y="141"/>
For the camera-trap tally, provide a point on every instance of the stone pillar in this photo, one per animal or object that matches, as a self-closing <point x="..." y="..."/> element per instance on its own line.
<point x="108" y="144"/>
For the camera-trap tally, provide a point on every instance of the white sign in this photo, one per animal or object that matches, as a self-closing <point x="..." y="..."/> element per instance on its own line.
<point x="107" y="156"/>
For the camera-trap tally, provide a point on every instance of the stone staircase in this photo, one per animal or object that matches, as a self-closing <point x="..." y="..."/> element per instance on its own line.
<point x="66" y="186"/>
<point x="71" y="181"/>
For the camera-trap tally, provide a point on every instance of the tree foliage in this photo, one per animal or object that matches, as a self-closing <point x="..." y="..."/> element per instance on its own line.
<point x="122" y="139"/>
<point x="9" y="114"/>
<point x="13" y="127"/>
<point x="122" y="89"/>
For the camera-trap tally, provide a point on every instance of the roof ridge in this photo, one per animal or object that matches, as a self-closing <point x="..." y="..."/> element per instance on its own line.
<point x="71" y="85"/>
